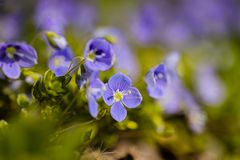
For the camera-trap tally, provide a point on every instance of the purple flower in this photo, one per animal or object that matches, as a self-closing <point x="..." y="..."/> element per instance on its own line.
<point x="119" y="92"/>
<point x="156" y="80"/>
<point x="94" y="92"/>
<point x="146" y="23"/>
<point x="8" y="24"/>
<point x="164" y="84"/>
<point x="15" y="55"/>
<point x="80" y="12"/>
<point x="60" y="60"/>
<point x="124" y="55"/>
<point x="208" y="85"/>
<point x="51" y="15"/>
<point x="99" y="54"/>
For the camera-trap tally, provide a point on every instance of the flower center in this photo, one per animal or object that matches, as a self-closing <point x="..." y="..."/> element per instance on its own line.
<point x="58" y="60"/>
<point x="160" y="75"/>
<point x="118" y="96"/>
<point x="11" y="51"/>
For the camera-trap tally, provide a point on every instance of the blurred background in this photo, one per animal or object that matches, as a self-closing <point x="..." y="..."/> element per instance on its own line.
<point x="206" y="34"/>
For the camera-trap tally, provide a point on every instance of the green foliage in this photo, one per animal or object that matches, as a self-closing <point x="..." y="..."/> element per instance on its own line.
<point x="50" y="87"/>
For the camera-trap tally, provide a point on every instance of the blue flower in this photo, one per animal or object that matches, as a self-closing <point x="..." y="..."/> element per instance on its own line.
<point x="123" y="52"/>
<point x="60" y="60"/>
<point x="145" y="26"/>
<point x="99" y="54"/>
<point x="52" y="15"/>
<point x="15" y="55"/>
<point x="119" y="92"/>
<point x="156" y="80"/>
<point x="164" y="84"/>
<point x="94" y="92"/>
<point x="209" y="87"/>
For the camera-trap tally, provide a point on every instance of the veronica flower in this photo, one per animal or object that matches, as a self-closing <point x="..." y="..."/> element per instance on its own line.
<point x="94" y="92"/>
<point x="119" y="92"/>
<point x="156" y="80"/>
<point x="124" y="55"/>
<point x="15" y="55"/>
<point x="164" y="84"/>
<point x="60" y="60"/>
<point x="99" y="54"/>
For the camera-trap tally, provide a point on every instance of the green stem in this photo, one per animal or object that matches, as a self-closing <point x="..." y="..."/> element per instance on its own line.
<point x="70" y="105"/>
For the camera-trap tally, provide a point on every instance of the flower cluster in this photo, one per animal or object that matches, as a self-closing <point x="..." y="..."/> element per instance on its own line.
<point x="99" y="56"/>
<point x="162" y="81"/>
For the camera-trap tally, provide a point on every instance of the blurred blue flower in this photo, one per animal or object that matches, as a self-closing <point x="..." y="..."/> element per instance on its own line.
<point x="56" y="15"/>
<point x="119" y="92"/>
<point x="8" y="29"/>
<point x="15" y="55"/>
<point x="146" y="23"/>
<point x="164" y="84"/>
<point x="51" y="15"/>
<point x="78" y="14"/>
<point x="60" y="61"/>
<point x="124" y="55"/>
<point x="156" y="80"/>
<point x="211" y="17"/>
<point x="208" y="85"/>
<point x="98" y="54"/>
<point x="94" y="92"/>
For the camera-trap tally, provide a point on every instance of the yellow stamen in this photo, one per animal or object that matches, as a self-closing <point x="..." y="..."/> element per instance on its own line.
<point x="118" y="96"/>
<point x="11" y="51"/>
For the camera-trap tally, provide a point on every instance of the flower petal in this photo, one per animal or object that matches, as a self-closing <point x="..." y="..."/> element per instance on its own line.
<point x="149" y="79"/>
<point x="26" y="62"/>
<point x="133" y="98"/>
<point x="108" y="96"/>
<point x="155" y="92"/>
<point x="60" y="71"/>
<point x="118" y="112"/>
<point x="119" y="82"/>
<point x="96" y="87"/>
<point x="26" y="55"/>
<point x="92" y="106"/>
<point x="11" y="70"/>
